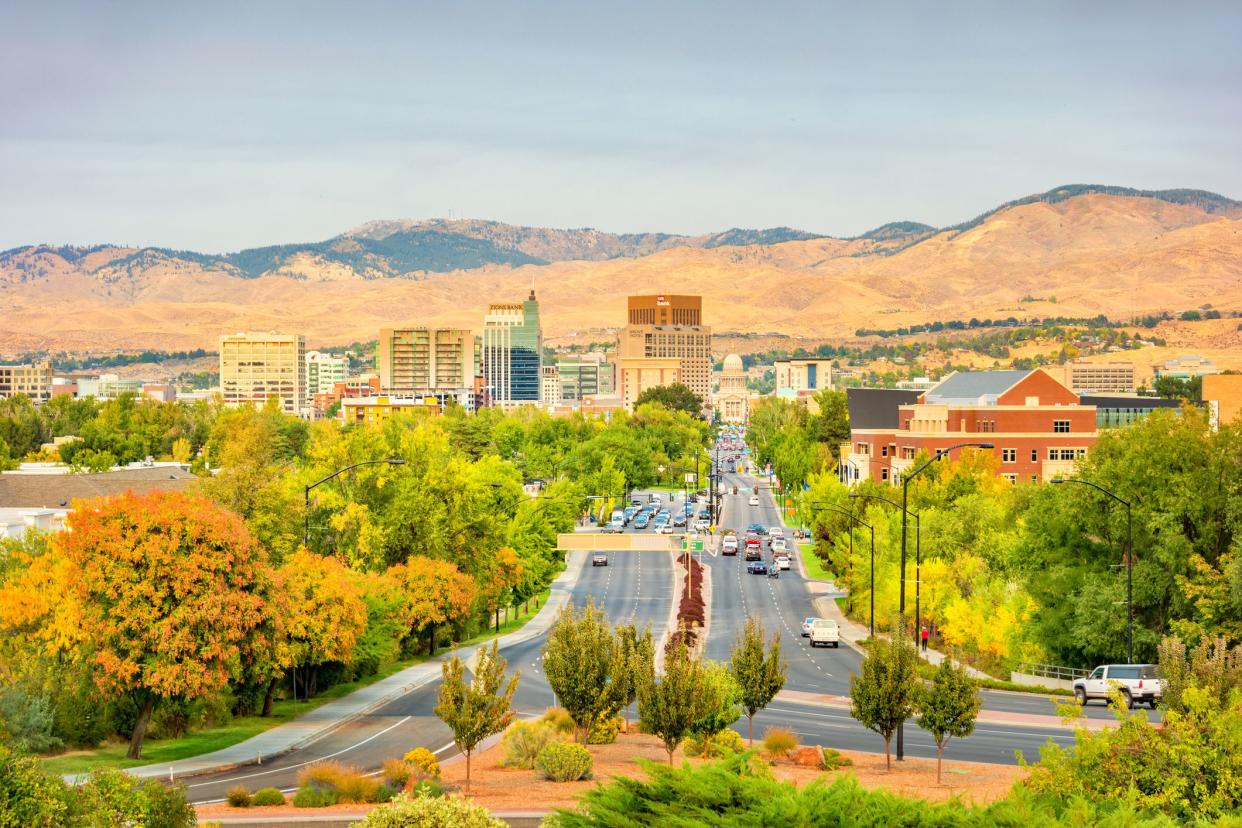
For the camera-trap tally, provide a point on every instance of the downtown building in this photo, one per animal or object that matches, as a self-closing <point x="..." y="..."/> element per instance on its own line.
<point x="255" y="367"/>
<point x="323" y="372"/>
<point x="1039" y="427"/>
<point x="423" y="360"/>
<point x="511" y="353"/>
<point x="32" y="380"/>
<point x="665" y="342"/>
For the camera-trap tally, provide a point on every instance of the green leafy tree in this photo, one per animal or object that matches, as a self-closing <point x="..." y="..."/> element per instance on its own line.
<point x="476" y="709"/>
<point x="716" y="718"/>
<point x="633" y="663"/>
<point x="674" y="397"/>
<point x="671" y="704"/>
<point x="582" y="667"/>
<point x="884" y="692"/>
<point x="757" y="671"/>
<point x="948" y="707"/>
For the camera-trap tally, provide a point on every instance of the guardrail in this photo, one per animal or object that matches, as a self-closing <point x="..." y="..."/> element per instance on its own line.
<point x="1051" y="671"/>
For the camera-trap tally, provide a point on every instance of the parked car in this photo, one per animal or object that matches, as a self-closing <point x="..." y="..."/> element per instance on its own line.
<point x="1138" y="683"/>
<point x="825" y="631"/>
<point x="599" y="559"/>
<point x="806" y="626"/>
<point x="757" y="568"/>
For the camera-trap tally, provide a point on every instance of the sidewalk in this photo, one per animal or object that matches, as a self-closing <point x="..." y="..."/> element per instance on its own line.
<point x="319" y="722"/>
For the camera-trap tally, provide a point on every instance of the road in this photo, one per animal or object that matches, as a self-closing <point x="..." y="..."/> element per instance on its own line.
<point x="635" y="588"/>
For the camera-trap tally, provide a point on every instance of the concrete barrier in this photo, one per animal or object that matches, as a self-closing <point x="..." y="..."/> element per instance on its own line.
<point x="1027" y="680"/>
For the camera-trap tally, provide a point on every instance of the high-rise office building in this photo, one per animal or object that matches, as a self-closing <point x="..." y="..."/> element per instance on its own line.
<point x="591" y="374"/>
<point x="512" y="353"/>
<point x="661" y="328"/>
<point x="324" y="371"/>
<point x="257" y="366"/>
<point x="421" y="360"/>
<point x="34" y="380"/>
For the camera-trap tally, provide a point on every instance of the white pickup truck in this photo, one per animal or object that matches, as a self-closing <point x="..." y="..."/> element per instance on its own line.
<point x="1138" y="683"/>
<point x="825" y="631"/>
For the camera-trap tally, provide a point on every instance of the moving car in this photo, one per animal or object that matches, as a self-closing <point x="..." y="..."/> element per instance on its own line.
<point x="781" y="562"/>
<point x="728" y="546"/>
<point x="757" y="568"/>
<point x="599" y="559"/>
<point x="1138" y="683"/>
<point x="778" y="546"/>
<point x="757" y="528"/>
<point x="641" y="521"/>
<point x="776" y="532"/>
<point x="754" y="500"/>
<point x="825" y="631"/>
<point x="665" y="528"/>
<point x="701" y="524"/>
<point x="806" y="626"/>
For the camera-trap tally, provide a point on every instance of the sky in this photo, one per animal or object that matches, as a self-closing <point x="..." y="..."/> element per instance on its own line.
<point x="219" y="126"/>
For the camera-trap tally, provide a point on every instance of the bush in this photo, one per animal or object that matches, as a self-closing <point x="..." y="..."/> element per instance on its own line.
<point x="239" y="797"/>
<point x="426" y="812"/>
<point x="27" y="795"/>
<point x="605" y="732"/>
<point x="564" y="762"/>
<point x="523" y="741"/>
<point x="833" y="759"/>
<point x="29" y="719"/>
<point x="427" y="787"/>
<point x="779" y="742"/>
<point x="725" y="743"/>
<point x="112" y="797"/>
<point x="397" y="772"/>
<point x="424" y="763"/>
<point x="386" y="793"/>
<point x="310" y="796"/>
<point x="324" y="775"/>
<point x="267" y="796"/>
<point x="354" y="787"/>
<point x="559" y="719"/>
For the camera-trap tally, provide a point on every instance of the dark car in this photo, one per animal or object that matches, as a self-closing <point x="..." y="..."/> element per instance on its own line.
<point x="680" y="520"/>
<point x="599" y="559"/>
<point x="757" y="568"/>
<point x="757" y="528"/>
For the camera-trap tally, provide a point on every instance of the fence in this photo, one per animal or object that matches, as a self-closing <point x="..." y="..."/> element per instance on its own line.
<point x="1046" y="675"/>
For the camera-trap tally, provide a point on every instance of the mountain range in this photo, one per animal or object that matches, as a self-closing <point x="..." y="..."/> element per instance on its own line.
<point x="1073" y="250"/>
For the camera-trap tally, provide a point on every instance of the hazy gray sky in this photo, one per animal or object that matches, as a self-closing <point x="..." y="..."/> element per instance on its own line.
<point x="216" y="126"/>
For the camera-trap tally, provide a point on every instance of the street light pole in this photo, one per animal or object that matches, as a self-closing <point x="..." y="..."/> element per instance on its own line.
<point x="1129" y="559"/>
<point x="871" y="529"/>
<point x="392" y="461"/>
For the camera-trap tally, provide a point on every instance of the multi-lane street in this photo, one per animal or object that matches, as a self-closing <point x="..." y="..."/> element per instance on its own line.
<point x="638" y="587"/>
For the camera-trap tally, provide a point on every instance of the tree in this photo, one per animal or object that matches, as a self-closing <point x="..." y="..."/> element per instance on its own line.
<point x="580" y="663"/>
<point x="722" y="689"/>
<point x="674" y="397"/>
<point x="436" y="592"/>
<point x="883" y="694"/>
<point x="168" y="588"/>
<point x="479" y="708"/>
<point x="670" y="706"/>
<point x="759" y="674"/>
<point x="633" y="663"/>
<point x="325" y="614"/>
<point x="949" y="707"/>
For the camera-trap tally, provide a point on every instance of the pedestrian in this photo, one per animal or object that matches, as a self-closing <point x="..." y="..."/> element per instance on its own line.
<point x="924" y="635"/>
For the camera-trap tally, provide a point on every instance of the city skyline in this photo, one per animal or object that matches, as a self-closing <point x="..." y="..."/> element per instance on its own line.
<point x="207" y="130"/>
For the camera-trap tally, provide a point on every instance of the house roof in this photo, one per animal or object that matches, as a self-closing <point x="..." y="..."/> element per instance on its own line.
<point x="877" y="407"/>
<point x="973" y="387"/>
<point x="58" y="491"/>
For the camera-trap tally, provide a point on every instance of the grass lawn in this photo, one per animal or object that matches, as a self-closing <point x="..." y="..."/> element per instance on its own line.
<point x="814" y="566"/>
<point x="156" y="751"/>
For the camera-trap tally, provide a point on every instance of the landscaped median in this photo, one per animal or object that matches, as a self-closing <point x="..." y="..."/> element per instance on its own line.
<point x="163" y="752"/>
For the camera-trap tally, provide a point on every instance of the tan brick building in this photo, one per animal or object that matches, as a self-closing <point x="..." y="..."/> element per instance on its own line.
<point x="257" y="366"/>
<point x="35" y="381"/>
<point x="661" y="328"/>
<point x="416" y="360"/>
<point x="1100" y="377"/>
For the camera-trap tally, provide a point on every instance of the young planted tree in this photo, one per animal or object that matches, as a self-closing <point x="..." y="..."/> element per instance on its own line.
<point x="724" y="704"/>
<point x="758" y="671"/>
<point x="669" y="706"/>
<point x="633" y="663"/>
<point x="476" y="709"/>
<point x="169" y="588"/>
<point x="580" y="663"/>
<point x="883" y="694"/>
<point x="949" y="707"/>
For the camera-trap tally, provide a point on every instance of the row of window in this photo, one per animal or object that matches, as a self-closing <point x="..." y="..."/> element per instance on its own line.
<point x="1008" y="455"/>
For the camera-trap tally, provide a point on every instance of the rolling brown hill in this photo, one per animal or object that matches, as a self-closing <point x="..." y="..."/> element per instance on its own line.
<point x="1069" y="252"/>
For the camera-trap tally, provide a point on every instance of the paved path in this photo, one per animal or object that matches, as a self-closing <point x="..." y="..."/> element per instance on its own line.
<point x="317" y="723"/>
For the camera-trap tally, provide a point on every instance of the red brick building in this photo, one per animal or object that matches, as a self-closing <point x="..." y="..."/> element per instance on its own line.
<point x="1038" y="426"/>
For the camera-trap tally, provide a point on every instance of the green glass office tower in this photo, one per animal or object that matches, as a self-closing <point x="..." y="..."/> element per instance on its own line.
<point x="512" y="352"/>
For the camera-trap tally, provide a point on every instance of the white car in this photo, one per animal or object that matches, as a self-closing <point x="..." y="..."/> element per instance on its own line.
<point x="781" y="561"/>
<point x="754" y="500"/>
<point x="806" y="626"/>
<point x="776" y="532"/>
<point x="665" y="528"/>
<point x="825" y="631"/>
<point x="728" y="546"/>
<point x="778" y="546"/>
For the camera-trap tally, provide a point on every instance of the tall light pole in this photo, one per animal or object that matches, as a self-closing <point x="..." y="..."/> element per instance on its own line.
<point x="818" y="507"/>
<point x="918" y="541"/>
<point x="905" y="503"/>
<point x="391" y="461"/>
<point x="1129" y="559"/>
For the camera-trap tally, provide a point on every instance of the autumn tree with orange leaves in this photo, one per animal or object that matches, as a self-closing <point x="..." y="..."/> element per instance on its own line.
<point x="324" y="615"/>
<point x="437" y="592"/>
<point x="168" y="590"/>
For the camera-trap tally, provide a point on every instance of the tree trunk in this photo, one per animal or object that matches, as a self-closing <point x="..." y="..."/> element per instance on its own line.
<point x="670" y="750"/>
<point x="140" y="728"/>
<point x="431" y="639"/>
<point x="939" y="756"/>
<point x="267" y="698"/>
<point x="467" y="770"/>
<point x="888" y="762"/>
<point x="750" y="730"/>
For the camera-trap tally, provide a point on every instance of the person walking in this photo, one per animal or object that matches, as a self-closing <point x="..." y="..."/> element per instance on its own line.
<point x="924" y="635"/>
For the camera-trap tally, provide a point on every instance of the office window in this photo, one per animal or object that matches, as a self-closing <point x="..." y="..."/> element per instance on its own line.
<point x="1061" y="426"/>
<point x="884" y="451"/>
<point x="1034" y="455"/>
<point x="1080" y="452"/>
<point x="884" y="474"/>
<point x="1009" y="456"/>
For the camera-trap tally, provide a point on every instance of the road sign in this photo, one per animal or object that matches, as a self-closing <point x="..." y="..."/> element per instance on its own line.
<point x="694" y="545"/>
